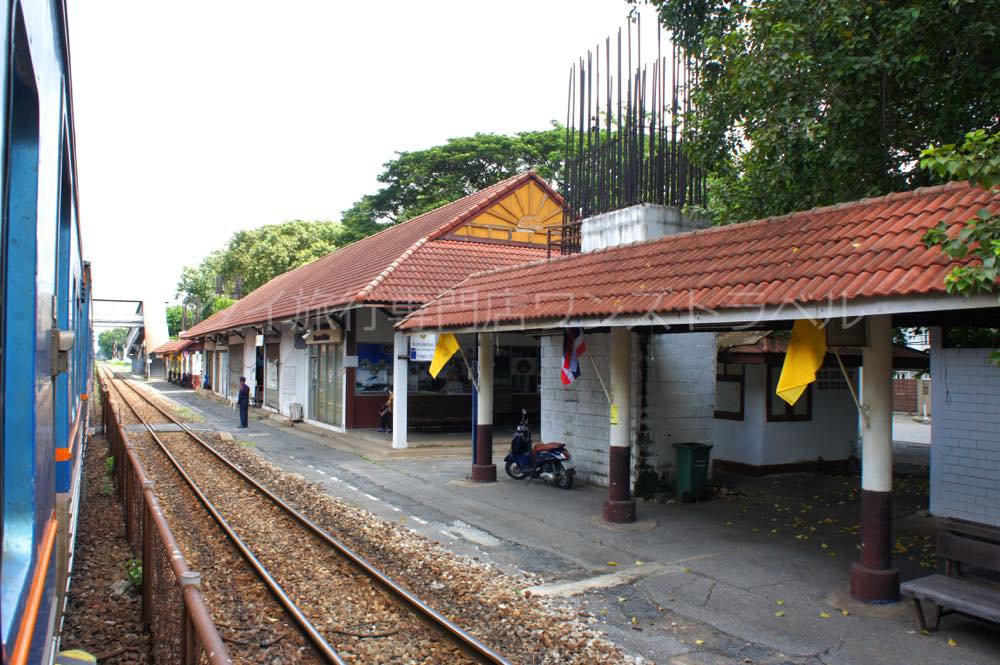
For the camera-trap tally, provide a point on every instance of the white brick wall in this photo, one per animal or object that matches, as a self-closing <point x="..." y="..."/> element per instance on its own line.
<point x="680" y="401"/>
<point x="680" y="388"/>
<point x="578" y="414"/>
<point x="965" y="432"/>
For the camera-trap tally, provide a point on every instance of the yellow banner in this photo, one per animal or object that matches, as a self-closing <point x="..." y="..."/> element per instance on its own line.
<point x="445" y="348"/>
<point x="802" y="359"/>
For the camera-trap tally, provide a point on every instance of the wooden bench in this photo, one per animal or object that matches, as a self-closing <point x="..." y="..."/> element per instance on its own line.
<point x="960" y="543"/>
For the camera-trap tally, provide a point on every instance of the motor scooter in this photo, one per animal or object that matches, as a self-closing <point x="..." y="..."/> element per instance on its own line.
<point x="549" y="461"/>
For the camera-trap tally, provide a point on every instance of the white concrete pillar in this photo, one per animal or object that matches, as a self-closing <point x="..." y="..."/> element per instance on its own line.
<point x="484" y="403"/>
<point x="484" y="470"/>
<point x="876" y="391"/>
<point x="872" y="578"/>
<point x="620" y="506"/>
<point x="400" y="388"/>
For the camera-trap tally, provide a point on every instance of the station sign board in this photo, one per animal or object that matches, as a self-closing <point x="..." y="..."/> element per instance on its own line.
<point x="422" y="348"/>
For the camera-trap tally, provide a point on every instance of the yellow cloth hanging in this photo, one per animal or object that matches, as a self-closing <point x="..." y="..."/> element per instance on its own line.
<point x="445" y="348"/>
<point x="804" y="356"/>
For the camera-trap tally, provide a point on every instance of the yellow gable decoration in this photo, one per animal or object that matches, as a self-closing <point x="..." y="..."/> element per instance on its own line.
<point x="521" y="216"/>
<point x="803" y="358"/>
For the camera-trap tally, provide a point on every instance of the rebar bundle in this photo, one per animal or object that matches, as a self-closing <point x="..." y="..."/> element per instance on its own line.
<point x="631" y="149"/>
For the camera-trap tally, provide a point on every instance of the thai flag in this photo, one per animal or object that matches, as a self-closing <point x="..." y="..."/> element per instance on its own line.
<point x="573" y="348"/>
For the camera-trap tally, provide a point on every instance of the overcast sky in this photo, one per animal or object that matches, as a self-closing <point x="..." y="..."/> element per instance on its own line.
<point x="197" y="119"/>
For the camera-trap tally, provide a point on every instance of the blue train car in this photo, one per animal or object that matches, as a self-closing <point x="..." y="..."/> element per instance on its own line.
<point x="45" y="328"/>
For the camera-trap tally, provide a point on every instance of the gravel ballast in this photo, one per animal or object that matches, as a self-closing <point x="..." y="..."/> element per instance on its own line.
<point x="475" y="595"/>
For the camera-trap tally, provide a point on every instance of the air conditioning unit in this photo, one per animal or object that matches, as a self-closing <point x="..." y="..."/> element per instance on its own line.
<point x="295" y="412"/>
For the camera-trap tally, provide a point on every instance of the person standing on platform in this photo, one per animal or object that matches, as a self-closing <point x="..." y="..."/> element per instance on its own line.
<point x="385" y="415"/>
<point x="243" y="401"/>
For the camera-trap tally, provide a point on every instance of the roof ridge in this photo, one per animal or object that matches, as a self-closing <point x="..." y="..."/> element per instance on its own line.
<point x="382" y="276"/>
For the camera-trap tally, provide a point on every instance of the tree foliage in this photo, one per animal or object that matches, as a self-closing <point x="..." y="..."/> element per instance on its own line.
<point x="250" y="259"/>
<point x="175" y="317"/>
<point x="418" y="181"/>
<point x="976" y="159"/>
<point x="111" y="342"/>
<point x="804" y="103"/>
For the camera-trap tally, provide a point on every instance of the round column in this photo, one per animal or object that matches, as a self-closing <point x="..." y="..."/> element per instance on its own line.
<point x="485" y="471"/>
<point x="873" y="579"/>
<point x="400" y="389"/>
<point x="620" y="506"/>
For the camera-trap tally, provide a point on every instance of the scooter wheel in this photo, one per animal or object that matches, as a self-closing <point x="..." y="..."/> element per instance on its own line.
<point x="513" y="470"/>
<point x="564" y="479"/>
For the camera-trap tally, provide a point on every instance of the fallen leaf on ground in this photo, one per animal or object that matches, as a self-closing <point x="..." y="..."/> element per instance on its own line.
<point x="824" y="615"/>
<point x="779" y="613"/>
<point x="612" y="563"/>
<point x="952" y="642"/>
<point x="699" y="642"/>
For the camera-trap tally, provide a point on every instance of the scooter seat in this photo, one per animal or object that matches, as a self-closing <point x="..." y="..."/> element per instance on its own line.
<point x="542" y="447"/>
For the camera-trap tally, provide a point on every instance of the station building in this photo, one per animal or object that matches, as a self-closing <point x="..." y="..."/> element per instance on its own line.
<point x="317" y="343"/>
<point x="654" y="374"/>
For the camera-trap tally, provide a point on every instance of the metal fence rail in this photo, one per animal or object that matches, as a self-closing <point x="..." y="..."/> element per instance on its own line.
<point x="172" y="605"/>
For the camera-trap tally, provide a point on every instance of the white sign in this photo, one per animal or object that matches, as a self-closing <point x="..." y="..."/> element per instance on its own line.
<point x="422" y="348"/>
<point x="260" y="340"/>
<point x="350" y="361"/>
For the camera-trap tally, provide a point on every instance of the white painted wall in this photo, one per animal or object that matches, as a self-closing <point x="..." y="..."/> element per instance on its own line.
<point x="293" y="368"/>
<point x="250" y="360"/>
<point x="831" y="434"/>
<point x="965" y="431"/>
<point x="637" y="223"/>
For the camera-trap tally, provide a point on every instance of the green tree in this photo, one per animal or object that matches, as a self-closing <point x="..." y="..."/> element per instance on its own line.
<point x="418" y="181"/>
<point x="175" y="317"/>
<point x="252" y="258"/>
<point x="976" y="159"/>
<point x="804" y="103"/>
<point x="111" y="342"/>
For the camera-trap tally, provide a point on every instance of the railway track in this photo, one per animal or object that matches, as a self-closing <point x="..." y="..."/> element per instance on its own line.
<point x="347" y="609"/>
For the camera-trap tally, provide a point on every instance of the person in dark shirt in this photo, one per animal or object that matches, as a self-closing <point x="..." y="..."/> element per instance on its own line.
<point x="243" y="401"/>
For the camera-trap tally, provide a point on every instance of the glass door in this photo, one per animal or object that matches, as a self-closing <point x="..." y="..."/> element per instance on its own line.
<point x="325" y="403"/>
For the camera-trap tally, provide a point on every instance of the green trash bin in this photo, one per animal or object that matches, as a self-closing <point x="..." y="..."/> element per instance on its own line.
<point x="692" y="470"/>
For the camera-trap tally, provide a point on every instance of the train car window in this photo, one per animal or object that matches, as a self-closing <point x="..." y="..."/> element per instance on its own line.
<point x="20" y="213"/>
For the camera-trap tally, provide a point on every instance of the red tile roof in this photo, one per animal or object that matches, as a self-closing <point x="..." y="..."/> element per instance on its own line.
<point x="173" y="346"/>
<point x="864" y="249"/>
<point x="406" y="263"/>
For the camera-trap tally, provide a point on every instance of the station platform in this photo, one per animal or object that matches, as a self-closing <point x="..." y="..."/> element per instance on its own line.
<point x="757" y="574"/>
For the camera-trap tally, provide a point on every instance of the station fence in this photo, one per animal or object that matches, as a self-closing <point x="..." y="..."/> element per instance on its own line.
<point x="173" y="607"/>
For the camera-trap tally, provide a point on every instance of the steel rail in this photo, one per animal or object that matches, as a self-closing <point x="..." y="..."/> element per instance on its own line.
<point x="300" y="618"/>
<point x="470" y="645"/>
